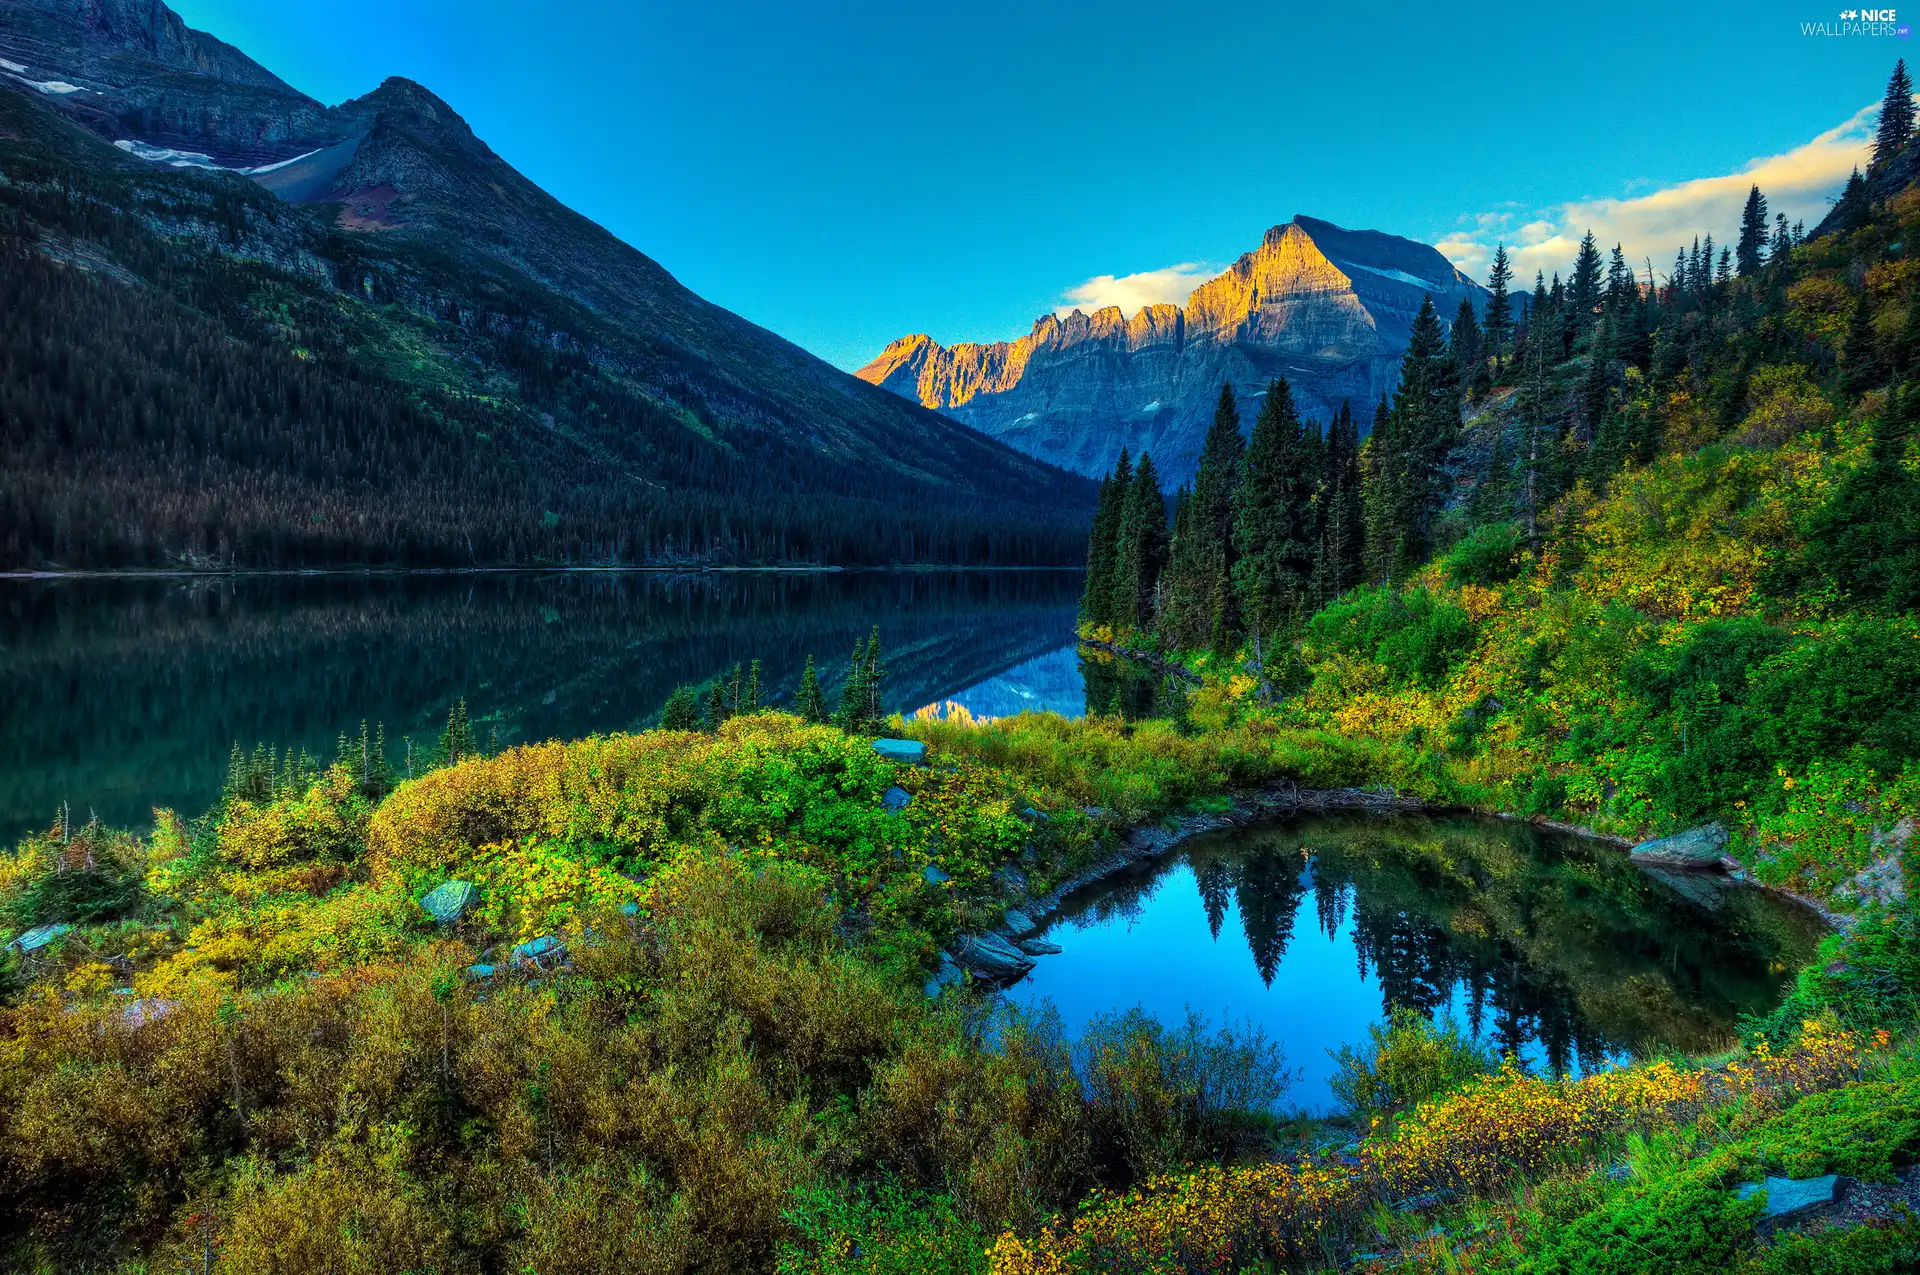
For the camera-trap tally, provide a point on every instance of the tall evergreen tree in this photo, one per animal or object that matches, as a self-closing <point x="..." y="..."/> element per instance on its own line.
<point x="859" y="711"/>
<point x="1753" y="235"/>
<point x="1896" y="116"/>
<point x="1407" y="484"/>
<point x="456" y="741"/>
<point x="1854" y="207"/>
<point x="808" y="703"/>
<point x="1463" y="347"/>
<point x="1141" y="552"/>
<point x="1200" y="609"/>
<point x="1272" y="526"/>
<point x="1097" y="596"/>
<point x="1340" y="551"/>
<point x="1499" y="323"/>
<point x="1583" y="292"/>
<point x="682" y="710"/>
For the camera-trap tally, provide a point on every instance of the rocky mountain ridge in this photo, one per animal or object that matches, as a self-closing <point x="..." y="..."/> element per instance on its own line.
<point x="1329" y="309"/>
<point x="419" y="255"/>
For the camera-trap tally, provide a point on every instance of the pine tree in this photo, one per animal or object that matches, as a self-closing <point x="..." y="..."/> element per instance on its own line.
<point x="1583" y="292"/>
<point x="807" y="701"/>
<point x="1200" y="609"/>
<point x="859" y="711"/>
<point x="682" y="710"/>
<point x="716" y="705"/>
<point x="1096" y="597"/>
<point x="1854" y="207"/>
<point x="736" y="691"/>
<point x="1463" y="347"/>
<point x="1141" y="553"/>
<point x="1753" y="234"/>
<point x="1896" y="116"/>
<point x="1860" y="368"/>
<point x="1407" y="485"/>
<point x="1499" y="323"/>
<point x="750" y="701"/>
<point x="1272" y="532"/>
<point x="456" y="741"/>
<point x="1341" y="560"/>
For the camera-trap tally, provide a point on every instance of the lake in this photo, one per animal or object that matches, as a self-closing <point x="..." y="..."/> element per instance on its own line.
<point x="1553" y="948"/>
<point x="122" y="694"/>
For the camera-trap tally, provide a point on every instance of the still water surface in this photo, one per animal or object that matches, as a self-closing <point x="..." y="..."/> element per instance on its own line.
<point x="118" y="695"/>
<point x="1551" y="948"/>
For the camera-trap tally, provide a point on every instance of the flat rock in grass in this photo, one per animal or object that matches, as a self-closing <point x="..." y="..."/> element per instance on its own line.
<point x="896" y="799"/>
<point x="448" y="902"/>
<point x="909" y="752"/>
<point x="1791" y="1200"/>
<point x="480" y="971"/>
<point x="992" y="958"/>
<point x="1040" y="947"/>
<point x="935" y="875"/>
<point x="544" y="948"/>
<point x="1017" y="922"/>
<point x="1696" y="849"/>
<point x="39" y="936"/>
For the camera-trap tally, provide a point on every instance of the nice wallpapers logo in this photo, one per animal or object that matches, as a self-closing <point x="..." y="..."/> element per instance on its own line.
<point x="1870" y="22"/>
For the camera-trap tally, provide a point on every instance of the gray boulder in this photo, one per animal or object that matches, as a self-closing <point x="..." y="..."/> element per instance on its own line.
<point x="992" y="958"/>
<point x="1017" y="922"/>
<point x="1040" y="947"/>
<point x="448" y="902"/>
<point x="935" y="875"/>
<point x="1702" y="848"/>
<point x="1793" y="1200"/>
<point x="910" y="752"/>
<point x="896" y="799"/>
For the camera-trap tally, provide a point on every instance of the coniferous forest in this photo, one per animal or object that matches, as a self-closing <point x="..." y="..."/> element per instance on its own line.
<point x="195" y="374"/>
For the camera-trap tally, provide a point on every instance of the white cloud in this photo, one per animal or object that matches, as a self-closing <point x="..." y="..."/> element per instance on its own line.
<point x="1801" y="183"/>
<point x="1134" y="292"/>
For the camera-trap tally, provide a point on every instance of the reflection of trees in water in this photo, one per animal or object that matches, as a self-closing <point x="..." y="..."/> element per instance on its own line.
<point x="1552" y="941"/>
<point x="1126" y="688"/>
<point x="123" y="693"/>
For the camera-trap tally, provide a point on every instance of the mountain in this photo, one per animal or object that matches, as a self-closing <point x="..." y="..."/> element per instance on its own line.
<point x="241" y="326"/>
<point x="1329" y="309"/>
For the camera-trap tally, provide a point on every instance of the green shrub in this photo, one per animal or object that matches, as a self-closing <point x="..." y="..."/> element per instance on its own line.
<point x="1416" y="637"/>
<point x="1890" y="1249"/>
<point x="1488" y="555"/>
<point x="884" y="1231"/>
<point x="1406" y="1060"/>
<point x="1684" y="1223"/>
<point x="1863" y="1131"/>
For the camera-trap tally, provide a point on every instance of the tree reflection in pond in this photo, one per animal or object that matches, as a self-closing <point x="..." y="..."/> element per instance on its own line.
<point x="1549" y="947"/>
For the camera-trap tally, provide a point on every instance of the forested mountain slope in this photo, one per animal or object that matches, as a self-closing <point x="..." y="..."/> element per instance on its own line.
<point x="264" y="332"/>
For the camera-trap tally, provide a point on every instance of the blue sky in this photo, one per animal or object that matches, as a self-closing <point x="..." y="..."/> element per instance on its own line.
<point x="846" y="173"/>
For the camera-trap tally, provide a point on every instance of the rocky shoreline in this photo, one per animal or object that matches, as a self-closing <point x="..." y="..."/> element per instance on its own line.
<point x="1003" y="954"/>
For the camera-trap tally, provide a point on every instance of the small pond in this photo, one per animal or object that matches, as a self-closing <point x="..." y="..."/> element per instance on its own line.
<point x="1550" y="947"/>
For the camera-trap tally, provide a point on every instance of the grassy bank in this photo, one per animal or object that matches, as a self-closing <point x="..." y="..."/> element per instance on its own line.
<point x="254" y="1051"/>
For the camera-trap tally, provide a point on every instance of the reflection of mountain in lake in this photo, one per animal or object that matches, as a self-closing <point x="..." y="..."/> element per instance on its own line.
<point x="127" y="693"/>
<point x="1048" y="684"/>
<point x="1549" y="947"/>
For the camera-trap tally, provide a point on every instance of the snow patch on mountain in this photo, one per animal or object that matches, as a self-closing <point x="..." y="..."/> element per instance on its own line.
<point x="194" y="159"/>
<point x="1399" y="275"/>
<point x="15" y="67"/>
